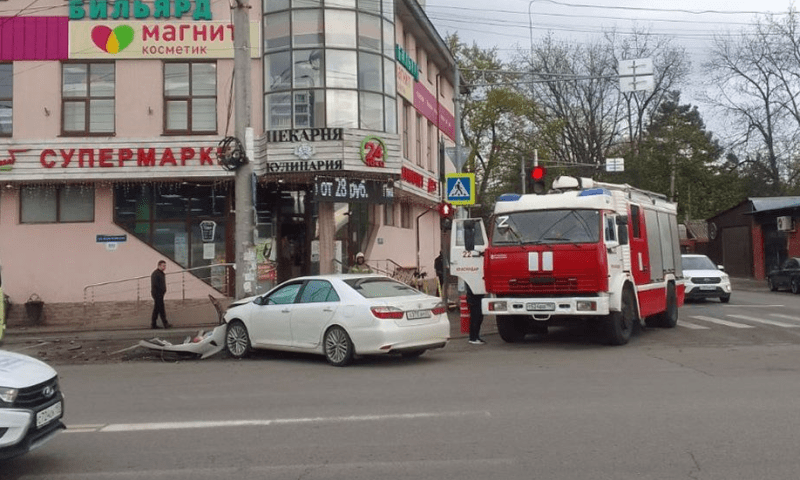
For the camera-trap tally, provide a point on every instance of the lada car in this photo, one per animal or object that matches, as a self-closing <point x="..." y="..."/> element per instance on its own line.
<point x="31" y="404"/>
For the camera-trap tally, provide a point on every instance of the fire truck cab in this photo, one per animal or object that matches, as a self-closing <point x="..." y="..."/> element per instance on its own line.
<point x="586" y="250"/>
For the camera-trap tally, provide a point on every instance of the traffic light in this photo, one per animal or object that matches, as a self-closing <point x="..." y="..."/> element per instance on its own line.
<point x="446" y="212"/>
<point x="537" y="179"/>
<point x="446" y="209"/>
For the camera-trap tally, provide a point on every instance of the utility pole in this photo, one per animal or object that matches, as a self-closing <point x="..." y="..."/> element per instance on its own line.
<point x="245" y="182"/>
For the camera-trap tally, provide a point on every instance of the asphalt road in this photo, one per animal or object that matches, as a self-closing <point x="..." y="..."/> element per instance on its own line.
<point x="713" y="403"/>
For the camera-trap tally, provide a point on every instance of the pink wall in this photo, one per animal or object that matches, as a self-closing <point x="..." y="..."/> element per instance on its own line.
<point x="56" y="261"/>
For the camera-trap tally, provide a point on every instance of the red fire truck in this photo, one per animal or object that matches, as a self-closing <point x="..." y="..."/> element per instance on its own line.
<point x="586" y="250"/>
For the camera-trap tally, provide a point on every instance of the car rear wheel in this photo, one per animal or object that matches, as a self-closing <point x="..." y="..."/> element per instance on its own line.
<point x="772" y="286"/>
<point x="237" y="340"/>
<point x="338" y="347"/>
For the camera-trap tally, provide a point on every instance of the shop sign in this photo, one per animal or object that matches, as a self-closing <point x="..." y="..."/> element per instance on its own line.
<point x="405" y="83"/>
<point x="111" y="238"/>
<point x="426" y="103"/>
<point x="405" y="60"/>
<point x="304" y="166"/>
<point x="304" y="135"/>
<point x="418" y="180"/>
<point x="98" y="9"/>
<point x="135" y="40"/>
<point x="7" y="163"/>
<point x="373" y="151"/>
<point x="117" y="157"/>
<point x="351" y="190"/>
<point x="447" y="123"/>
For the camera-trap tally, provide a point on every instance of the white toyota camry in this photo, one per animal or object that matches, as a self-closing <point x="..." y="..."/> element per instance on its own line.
<point x="339" y="316"/>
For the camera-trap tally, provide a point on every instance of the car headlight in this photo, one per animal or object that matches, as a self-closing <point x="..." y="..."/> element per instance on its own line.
<point x="8" y="395"/>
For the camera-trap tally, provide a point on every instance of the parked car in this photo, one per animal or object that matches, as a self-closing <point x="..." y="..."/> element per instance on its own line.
<point x="704" y="279"/>
<point x="787" y="276"/>
<point x="339" y="316"/>
<point x="31" y="404"/>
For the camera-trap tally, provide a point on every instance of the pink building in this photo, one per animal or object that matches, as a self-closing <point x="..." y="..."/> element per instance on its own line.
<point x="110" y="118"/>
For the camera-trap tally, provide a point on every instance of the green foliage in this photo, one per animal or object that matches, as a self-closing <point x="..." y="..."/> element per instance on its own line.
<point x="679" y="158"/>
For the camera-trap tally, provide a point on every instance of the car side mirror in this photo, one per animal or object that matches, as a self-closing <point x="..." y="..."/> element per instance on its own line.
<point x="721" y="267"/>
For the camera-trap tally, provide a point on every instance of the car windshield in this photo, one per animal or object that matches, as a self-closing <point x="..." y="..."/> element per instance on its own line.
<point x="697" y="263"/>
<point x="380" y="287"/>
<point x="547" y="226"/>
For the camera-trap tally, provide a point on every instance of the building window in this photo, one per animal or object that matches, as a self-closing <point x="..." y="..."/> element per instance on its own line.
<point x="405" y="215"/>
<point x="420" y="134"/>
<point x="190" y="98"/>
<point x="6" y="99"/>
<point x="345" y="48"/>
<point x="61" y="204"/>
<point x="87" y="98"/>
<point x="430" y="144"/>
<point x="169" y="217"/>
<point x="388" y="214"/>
<point x="406" y="129"/>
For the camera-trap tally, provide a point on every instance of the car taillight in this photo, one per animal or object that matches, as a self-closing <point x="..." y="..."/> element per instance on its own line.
<point x="387" y="312"/>
<point x="439" y="309"/>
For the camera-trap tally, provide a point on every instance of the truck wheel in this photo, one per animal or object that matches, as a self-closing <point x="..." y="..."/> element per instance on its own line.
<point x="620" y="324"/>
<point x="512" y="328"/>
<point x="669" y="317"/>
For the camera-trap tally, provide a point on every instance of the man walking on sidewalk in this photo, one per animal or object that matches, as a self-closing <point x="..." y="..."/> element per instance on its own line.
<point x="158" y="288"/>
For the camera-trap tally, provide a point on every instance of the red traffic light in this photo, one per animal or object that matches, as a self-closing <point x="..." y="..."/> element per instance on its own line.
<point x="446" y="210"/>
<point x="538" y="172"/>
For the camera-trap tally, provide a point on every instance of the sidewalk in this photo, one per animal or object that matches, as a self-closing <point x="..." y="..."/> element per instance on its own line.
<point x="134" y="330"/>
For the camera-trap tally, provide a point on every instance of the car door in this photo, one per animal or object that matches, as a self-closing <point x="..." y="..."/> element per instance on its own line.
<point x="270" y="323"/>
<point x="317" y="304"/>
<point x="785" y="275"/>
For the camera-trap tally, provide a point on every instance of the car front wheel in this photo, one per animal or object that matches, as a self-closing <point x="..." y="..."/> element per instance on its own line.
<point x="338" y="347"/>
<point x="237" y="340"/>
<point x="796" y="285"/>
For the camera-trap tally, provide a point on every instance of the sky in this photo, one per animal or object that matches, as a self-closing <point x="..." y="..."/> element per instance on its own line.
<point x="506" y="25"/>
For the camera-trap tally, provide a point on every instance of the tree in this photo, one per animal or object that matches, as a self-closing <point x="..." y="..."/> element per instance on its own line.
<point x="679" y="158"/>
<point x="755" y="82"/>
<point x="495" y="121"/>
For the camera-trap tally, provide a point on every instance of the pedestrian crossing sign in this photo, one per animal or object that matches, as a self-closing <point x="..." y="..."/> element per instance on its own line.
<point x="460" y="188"/>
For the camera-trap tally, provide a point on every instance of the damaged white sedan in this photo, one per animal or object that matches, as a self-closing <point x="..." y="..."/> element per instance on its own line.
<point x="340" y="317"/>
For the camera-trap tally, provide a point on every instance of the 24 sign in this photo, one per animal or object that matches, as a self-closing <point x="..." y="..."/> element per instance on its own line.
<point x="373" y="151"/>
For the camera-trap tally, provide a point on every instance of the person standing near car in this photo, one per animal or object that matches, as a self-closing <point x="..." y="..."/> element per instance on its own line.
<point x="360" y="265"/>
<point x="158" y="288"/>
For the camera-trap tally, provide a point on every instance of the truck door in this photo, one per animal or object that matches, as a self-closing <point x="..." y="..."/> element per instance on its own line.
<point x="468" y="263"/>
<point x="640" y="258"/>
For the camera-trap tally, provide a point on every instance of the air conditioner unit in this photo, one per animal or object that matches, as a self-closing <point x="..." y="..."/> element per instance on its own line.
<point x="785" y="224"/>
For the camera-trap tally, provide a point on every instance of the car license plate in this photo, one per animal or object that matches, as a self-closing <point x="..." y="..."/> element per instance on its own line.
<point x="48" y="415"/>
<point x="417" y="314"/>
<point x="540" y="306"/>
<point x="708" y="288"/>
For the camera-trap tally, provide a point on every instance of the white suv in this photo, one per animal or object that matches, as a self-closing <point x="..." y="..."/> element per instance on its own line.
<point x="704" y="279"/>
<point x="31" y="404"/>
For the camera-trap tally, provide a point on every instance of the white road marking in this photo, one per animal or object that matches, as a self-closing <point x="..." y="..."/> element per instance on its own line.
<point x="692" y="326"/>
<point x="765" y="322"/>
<point x="723" y="322"/>
<point x="141" y="427"/>
<point x="754" y="306"/>
<point x="787" y="317"/>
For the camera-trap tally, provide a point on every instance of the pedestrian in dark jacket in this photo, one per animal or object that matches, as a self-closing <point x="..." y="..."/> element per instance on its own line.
<point x="158" y="288"/>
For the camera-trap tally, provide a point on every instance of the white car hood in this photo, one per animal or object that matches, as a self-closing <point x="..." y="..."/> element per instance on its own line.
<point x="20" y="371"/>
<point x="704" y="273"/>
